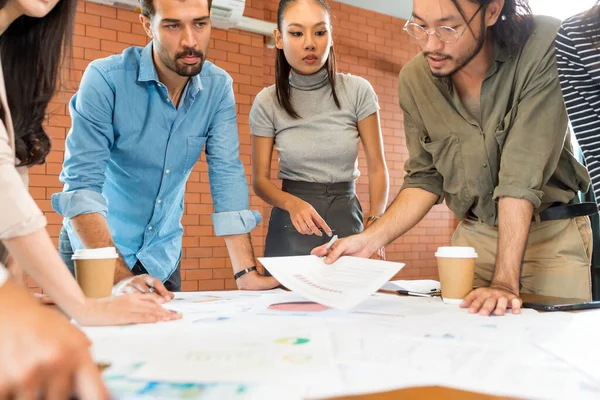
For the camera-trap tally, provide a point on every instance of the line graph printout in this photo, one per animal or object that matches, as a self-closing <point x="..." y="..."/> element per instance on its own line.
<point x="342" y="285"/>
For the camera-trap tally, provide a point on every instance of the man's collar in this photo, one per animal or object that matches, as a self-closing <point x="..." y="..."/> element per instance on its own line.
<point x="501" y="54"/>
<point x="147" y="71"/>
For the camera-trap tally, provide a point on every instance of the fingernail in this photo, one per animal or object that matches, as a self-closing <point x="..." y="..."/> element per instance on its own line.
<point x="330" y="234"/>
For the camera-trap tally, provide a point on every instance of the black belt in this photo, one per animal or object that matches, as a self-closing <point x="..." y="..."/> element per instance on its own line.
<point x="566" y="211"/>
<point x="318" y="189"/>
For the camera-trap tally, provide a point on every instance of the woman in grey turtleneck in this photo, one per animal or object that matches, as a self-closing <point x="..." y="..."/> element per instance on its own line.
<point x="315" y="118"/>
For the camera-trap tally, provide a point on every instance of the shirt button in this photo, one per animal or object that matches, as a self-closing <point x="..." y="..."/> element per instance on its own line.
<point x="168" y="171"/>
<point x="149" y="228"/>
<point x="484" y="165"/>
<point x="159" y="201"/>
<point x="491" y="214"/>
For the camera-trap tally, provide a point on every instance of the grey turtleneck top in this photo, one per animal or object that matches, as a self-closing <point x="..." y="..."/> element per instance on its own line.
<point x="322" y="145"/>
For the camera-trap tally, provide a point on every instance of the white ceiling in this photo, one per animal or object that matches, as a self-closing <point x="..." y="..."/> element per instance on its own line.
<point x="396" y="8"/>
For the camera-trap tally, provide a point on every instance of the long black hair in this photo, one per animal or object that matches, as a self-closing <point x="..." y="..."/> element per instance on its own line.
<point x="592" y="19"/>
<point x="31" y="52"/>
<point x="283" y="67"/>
<point x="514" y="26"/>
<point x="595" y="11"/>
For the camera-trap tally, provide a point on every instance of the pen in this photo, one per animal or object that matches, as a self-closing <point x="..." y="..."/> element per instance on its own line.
<point x="293" y="228"/>
<point x="331" y="242"/>
<point x="406" y="292"/>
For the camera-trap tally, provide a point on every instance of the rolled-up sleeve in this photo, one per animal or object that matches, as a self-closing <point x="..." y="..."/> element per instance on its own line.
<point x="19" y="214"/>
<point x="228" y="185"/>
<point x="420" y="170"/>
<point x="87" y="148"/>
<point x="535" y="139"/>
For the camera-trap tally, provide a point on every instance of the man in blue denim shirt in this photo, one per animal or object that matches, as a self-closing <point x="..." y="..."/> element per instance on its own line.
<point x="140" y="122"/>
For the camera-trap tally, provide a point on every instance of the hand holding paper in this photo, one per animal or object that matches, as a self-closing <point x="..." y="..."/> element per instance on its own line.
<point x="343" y="284"/>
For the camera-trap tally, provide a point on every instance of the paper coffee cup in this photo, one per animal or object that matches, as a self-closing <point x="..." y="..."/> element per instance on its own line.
<point x="456" y="267"/>
<point x="95" y="270"/>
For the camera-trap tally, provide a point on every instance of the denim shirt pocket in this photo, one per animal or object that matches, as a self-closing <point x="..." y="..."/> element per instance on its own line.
<point x="194" y="147"/>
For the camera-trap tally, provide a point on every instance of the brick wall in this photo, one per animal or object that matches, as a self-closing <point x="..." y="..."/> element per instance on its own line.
<point x="367" y="44"/>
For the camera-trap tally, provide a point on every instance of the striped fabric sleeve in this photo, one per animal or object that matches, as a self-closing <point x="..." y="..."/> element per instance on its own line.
<point x="578" y="58"/>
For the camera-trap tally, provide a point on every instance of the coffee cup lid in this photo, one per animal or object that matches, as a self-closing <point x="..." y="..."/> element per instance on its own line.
<point x="456" y="252"/>
<point x="91" y="254"/>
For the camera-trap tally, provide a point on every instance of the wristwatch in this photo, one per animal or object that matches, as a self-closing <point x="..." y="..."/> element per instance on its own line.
<point x="243" y="272"/>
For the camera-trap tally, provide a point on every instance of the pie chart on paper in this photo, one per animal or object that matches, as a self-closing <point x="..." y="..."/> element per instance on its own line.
<point x="298" y="306"/>
<point x="292" y="341"/>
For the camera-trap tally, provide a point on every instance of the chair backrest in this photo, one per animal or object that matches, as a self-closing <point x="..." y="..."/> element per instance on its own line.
<point x="595" y="267"/>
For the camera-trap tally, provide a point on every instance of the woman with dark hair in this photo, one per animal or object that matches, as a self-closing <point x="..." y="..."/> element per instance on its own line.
<point x="578" y="57"/>
<point x="315" y="118"/>
<point x="40" y="351"/>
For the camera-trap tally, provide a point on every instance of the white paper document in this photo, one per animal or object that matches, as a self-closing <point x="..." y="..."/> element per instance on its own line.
<point x="426" y="286"/>
<point x="343" y="284"/>
<point x="576" y="342"/>
<point x="264" y="353"/>
<point x="375" y="361"/>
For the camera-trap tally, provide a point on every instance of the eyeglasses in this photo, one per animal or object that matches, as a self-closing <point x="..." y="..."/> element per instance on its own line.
<point x="444" y="33"/>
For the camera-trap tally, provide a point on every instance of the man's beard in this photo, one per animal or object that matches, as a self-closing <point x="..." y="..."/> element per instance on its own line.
<point x="185" y="69"/>
<point x="463" y="61"/>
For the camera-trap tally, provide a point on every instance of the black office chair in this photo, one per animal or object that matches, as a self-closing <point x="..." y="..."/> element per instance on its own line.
<point x="595" y="267"/>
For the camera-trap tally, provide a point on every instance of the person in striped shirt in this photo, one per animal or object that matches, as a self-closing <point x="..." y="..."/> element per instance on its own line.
<point x="578" y="57"/>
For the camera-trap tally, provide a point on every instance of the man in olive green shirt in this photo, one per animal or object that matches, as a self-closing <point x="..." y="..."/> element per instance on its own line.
<point x="487" y="131"/>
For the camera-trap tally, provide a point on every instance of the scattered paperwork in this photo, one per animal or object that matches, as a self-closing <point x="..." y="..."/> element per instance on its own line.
<point x="576" y="343"/>
<point x="246" y="345"/>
